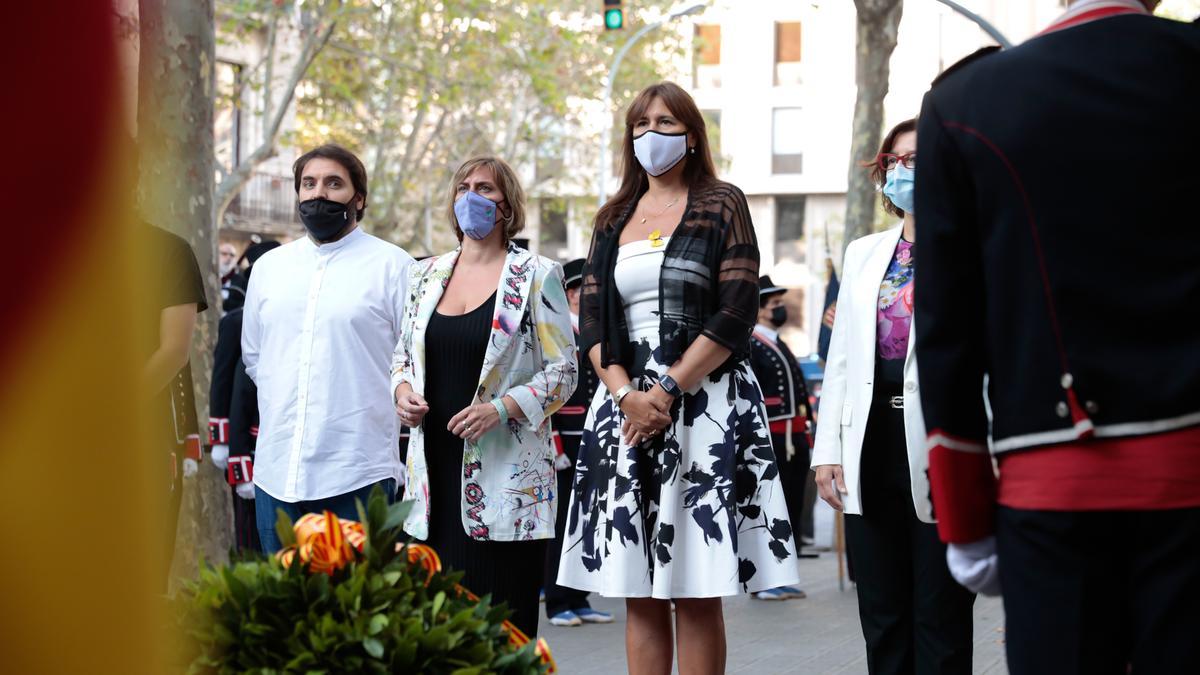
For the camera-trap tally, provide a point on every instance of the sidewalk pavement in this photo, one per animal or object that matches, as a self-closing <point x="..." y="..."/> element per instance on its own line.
<point x="817" y="635"/>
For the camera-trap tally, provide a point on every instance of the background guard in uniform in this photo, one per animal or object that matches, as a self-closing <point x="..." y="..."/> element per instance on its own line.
<point x="228" y="399"/>
<point x="569" y="606"/>
<point x="785" y="394"/>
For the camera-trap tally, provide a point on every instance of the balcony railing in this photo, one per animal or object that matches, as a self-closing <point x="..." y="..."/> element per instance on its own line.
<point x="266" y="199"/>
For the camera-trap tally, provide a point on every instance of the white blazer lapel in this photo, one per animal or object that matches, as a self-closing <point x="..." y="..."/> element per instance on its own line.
<point x="433" y="286"/>
<point x="912" y="338"/>
<point x="511" y="296"/>
<point x="867" y="294"/>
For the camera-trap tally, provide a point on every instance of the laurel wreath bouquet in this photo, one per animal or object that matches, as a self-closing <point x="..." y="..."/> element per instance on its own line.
<point x="348" y="597"/>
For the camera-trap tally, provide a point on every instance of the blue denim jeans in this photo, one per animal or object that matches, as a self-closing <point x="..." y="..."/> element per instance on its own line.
<point x="342" y="505"/>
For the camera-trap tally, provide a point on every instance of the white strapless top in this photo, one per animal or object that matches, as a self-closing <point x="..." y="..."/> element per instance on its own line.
<point x="639" y="264"/>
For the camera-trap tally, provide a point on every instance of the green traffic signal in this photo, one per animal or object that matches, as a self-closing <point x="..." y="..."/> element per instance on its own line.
<point x="614" y="18"/>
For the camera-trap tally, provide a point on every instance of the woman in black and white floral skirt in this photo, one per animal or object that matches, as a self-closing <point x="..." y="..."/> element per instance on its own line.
<point x="676" y="494"/>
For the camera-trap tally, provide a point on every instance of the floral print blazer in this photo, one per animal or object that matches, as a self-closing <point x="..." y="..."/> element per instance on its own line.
<point x="509" y="486"/>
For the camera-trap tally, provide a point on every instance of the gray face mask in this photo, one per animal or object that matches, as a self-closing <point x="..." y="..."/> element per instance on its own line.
<point x="658" y="153"/>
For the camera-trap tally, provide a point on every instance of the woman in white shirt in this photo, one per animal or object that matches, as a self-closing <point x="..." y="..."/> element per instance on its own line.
<point x="869" y="455"/>
<point x="486" y="354"/>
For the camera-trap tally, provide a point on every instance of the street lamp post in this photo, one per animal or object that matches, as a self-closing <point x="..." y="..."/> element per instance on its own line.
<point x="980" y="21"/>
<point x="680" y="10"/>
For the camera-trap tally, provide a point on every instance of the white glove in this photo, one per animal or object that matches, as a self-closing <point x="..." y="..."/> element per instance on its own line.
<point x="245" y="490"/>
<point x="975" y="566"/>
<point x="190" y="467"/>
<point x="561" y="462"/>
<point x="220" y="456"/>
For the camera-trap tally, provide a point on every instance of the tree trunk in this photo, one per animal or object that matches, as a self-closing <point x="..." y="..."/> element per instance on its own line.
<point x="877" y="25"/>
<point x="175" y="190"/>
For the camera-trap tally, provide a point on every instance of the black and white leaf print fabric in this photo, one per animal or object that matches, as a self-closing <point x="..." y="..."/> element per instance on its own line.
<point x="708" y="486"/>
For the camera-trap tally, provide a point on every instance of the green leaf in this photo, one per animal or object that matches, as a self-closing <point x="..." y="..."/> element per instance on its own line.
<point x="237" y="590"/>
<point x="378" y="623"/>
<point x="374" y="647"/>
<point x="283" y="528"/>
<point x="396" y="514"/>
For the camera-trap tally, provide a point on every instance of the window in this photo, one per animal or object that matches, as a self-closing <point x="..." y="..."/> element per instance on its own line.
<point x="707" y="72"/>
<point x="789" y="228"/>
<point x="787" y="53"/>
<point x="552" y="230"/>
<point x="712" y="120"/>
<point x="786" y="156"/>
<point x="709" y="45"/>
<point x="227" y="115"/>
<point x="787" y="42"/>
<point x="549" y="163"/>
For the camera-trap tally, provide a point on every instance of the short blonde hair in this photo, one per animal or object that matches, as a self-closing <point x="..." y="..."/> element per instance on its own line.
<point x="506" y="181"/>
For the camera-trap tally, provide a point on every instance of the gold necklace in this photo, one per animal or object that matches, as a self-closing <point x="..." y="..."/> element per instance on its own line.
<point x="671" y="203"/>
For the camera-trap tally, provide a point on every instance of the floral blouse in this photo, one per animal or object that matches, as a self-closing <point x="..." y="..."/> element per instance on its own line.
<point x="896" y="305"/>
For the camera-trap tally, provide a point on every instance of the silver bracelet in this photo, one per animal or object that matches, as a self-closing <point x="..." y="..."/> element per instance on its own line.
<point x="622" y="393"/>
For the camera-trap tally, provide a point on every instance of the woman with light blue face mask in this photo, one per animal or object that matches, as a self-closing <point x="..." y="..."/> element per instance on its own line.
<point x="869" y="455"/>
<point x="486" y="354"/>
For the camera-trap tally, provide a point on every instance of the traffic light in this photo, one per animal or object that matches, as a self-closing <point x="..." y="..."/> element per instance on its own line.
<point x="614" y="15"/>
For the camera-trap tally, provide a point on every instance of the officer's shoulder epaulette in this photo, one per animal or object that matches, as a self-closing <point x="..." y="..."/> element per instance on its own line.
<point x="964" y="61"/>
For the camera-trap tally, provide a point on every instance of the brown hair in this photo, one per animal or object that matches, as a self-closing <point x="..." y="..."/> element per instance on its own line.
<point x="878" y="175"/>
<point x="506" y="181"/>
<point x="349" y="161"/>
<point x="698" y="170"/>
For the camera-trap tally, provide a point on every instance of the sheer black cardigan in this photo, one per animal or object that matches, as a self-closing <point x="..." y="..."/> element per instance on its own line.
<point x="708" y="284"/>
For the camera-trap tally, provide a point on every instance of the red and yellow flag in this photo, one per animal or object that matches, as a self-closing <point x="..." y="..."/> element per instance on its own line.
<point x="81" y="566"/>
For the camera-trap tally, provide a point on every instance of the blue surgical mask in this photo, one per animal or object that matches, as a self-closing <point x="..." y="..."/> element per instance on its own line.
<point x="899" y="187"/>
<point x="476" y="215"/>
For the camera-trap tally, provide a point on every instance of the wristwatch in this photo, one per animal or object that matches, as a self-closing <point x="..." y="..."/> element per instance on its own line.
<point x="670" y="386"/>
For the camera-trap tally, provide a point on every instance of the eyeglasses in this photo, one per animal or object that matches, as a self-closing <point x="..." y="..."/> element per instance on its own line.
<point x="887" y="161"/>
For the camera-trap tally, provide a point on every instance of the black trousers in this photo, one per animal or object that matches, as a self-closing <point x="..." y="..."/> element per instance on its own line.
<point x="174" y="503"/>
<point x="793" y="477"/>
<point x="561" y="598"/>
<point x="915" y="617"/>
<point x="1074" y="603"/>
<point x="245" y="524"/>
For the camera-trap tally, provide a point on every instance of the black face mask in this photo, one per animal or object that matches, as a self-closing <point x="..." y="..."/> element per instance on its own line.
<point x="325" y="219"/>
<point x="779" y="316"/>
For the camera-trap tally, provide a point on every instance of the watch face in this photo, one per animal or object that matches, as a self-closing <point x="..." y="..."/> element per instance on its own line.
<point x="669" y="385"/>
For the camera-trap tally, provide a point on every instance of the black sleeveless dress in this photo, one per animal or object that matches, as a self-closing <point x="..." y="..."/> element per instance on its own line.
<point x="510" y="571"/>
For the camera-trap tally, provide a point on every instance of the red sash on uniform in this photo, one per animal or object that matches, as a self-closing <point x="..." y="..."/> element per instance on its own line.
<point x="1081" y="15"/>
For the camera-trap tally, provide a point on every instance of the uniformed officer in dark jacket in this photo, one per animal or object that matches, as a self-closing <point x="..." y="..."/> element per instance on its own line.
<point x="1060" y="265"/>
<point x="569" y="606"/>
<point x="233" y="406"/>
<point x="786" y="397"/>
<point x="243" y="435"/>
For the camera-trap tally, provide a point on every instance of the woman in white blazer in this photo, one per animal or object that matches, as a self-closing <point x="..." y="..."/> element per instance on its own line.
<point x="869" y="456"/>
<point x="486" y="354"/>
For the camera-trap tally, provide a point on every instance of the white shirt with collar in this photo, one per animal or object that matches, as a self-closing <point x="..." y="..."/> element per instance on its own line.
<point x="767" y="332"/>
<point x="319" y="327"/>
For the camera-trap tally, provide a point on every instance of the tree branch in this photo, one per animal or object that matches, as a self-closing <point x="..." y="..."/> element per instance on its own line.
<point x="237" y="178"/>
